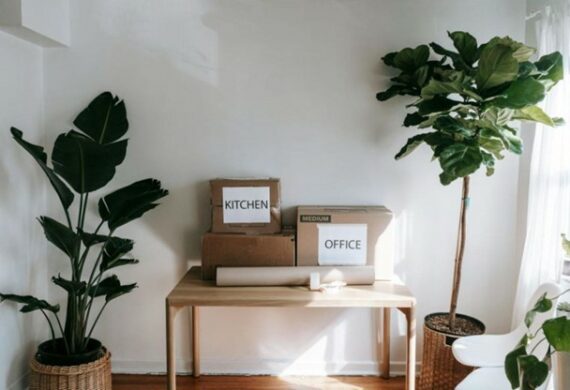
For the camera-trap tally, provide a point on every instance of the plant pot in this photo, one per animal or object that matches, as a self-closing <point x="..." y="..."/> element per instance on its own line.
<point x="562" y="370"/>
<point x="440" y="370"/>
<point x="52" y="353"/>
<point x="90" y="370"/>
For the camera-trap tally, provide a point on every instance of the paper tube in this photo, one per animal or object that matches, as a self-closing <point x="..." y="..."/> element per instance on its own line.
<point x="292" y="276"/>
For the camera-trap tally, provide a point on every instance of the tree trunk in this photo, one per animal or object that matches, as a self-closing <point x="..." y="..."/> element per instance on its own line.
<point x="460" y="249"/>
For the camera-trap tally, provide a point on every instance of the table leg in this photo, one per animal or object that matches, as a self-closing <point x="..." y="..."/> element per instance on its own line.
<point x="410" y="314"/>
<point x="195" y="341"/>
<point x="171" y="312"/>
<point x="385" y="366"/>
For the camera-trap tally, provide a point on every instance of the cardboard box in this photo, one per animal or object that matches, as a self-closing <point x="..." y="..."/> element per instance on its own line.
<point x="235" y="250"/>
<point x="273" y="227"/>
<point x="250" y="206"/>
<point x="352" y="235"/>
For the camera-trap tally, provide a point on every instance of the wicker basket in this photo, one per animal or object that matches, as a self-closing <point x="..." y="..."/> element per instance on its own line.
<point x="90" y="376"/>
<point x="440" y="370"/>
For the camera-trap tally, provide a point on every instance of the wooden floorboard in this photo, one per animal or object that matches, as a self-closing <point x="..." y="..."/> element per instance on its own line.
<point x="206" y="382"/>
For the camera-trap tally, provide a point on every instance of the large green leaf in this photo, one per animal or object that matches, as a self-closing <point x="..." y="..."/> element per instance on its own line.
<point x="410" y="59"/>
<point x="111" y="288"/>
<point x="521" y="93"/>
<point x="496" y="66"/>
<point x="130" y="202"/>
<point x="466" y="45"/>
<point x="435" y="105"/>
<point x="395" y="90"/>
<point x="60" y="235"/>
<point x="521" y="52"/>
<point x="30" y="303"/>
<point x="114" y="249"/>
<point x="489" y="162"/>
<point x="512" y="141"/>
<point x="83" y="163"/>
<point x="512" y="365"/>
<point x="104" y="119"/>
<point x="536" y="114"/>
<point x="413" y="119"/>
<point x="557" y="332"/>
<point x="69" y="285"/>
<point x="37" y="152"/>
<point x="411" y="145"/>
<point x="90" y="239"/>
<point x="491" y="142"/>
<point x="452" y="126"/>
<point x="551" y="67"/>
<point x="459" y="160"/>
<point x="534" y="372"/>
<point x="542" y="305"/>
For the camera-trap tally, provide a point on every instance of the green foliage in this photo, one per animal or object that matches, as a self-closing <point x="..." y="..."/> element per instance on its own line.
<point x="523" y="369"/>
<point x="130" y="202"/>
<point x="470" y="96"/>
<point x="87" y="160"/>
<point x="30" y="303"/>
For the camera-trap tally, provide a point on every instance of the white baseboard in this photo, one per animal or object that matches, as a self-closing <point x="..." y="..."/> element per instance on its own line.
<point x="258" y="367"/>
<point x="20" y="383"/>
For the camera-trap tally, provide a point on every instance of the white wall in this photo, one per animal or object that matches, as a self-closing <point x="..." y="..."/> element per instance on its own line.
<point x="23" y="260"/>
<point x="287" y="89"/>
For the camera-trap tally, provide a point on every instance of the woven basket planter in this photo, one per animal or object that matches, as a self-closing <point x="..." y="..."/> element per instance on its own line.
<point x="91" y="376"/>
<point x="440" y="370"/>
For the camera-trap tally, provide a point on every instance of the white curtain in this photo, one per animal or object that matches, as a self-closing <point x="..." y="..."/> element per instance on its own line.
<point x="549" y="184"/>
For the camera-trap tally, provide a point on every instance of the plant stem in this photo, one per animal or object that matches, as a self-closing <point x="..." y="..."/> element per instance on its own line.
<point x="536" y="346"/>
<point x="95" y="323"/>
<point x="62" y="333"/>
<point x="87" y="248"/>
<point x="90" y="284"/>
<point x="50" y="327"/>
<point x="459" y="251"/>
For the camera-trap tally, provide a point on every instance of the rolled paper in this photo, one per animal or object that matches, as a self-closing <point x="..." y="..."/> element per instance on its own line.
<point x="293" y="276"/>
<point x="315" y="281"/>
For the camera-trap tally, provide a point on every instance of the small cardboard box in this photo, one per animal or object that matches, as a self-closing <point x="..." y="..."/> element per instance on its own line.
<point x="344" y="236"/>
<point x="250" y="206"/>
<point x="235" y="250"/>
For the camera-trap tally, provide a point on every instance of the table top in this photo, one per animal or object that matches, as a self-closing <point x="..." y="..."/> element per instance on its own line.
<point x="192" y="291"/>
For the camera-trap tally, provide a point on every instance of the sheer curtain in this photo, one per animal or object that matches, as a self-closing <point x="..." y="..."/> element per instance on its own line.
<point x="548" y="212"/>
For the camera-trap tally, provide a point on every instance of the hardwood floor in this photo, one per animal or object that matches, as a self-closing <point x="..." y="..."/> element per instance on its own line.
<point x="158" y="382"/>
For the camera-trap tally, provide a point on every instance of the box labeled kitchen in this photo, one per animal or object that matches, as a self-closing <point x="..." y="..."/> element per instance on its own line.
<point x="245" y="205"/>
<point x="241" y="250"/>
<point x="346" y="236"/>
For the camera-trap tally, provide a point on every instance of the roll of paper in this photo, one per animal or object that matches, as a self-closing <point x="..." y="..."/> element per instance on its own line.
<point x="292" y="276"/>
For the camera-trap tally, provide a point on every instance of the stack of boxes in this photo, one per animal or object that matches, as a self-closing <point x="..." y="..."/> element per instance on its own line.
<point x="246" y="232"/>
<point x="246" y="226"/>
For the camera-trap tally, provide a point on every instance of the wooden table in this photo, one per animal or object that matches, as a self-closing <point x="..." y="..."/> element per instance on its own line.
<point x="193" y="292"/>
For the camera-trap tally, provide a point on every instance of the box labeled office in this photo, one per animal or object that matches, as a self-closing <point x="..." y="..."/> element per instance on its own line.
<point x="240" y="250"/>
<point x="346" y="236"/>
<point x="245" y="206"/>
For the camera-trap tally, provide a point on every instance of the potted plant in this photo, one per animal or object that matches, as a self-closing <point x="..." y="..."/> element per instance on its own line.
<point x="524" y="367"/>
<point x="85" y="161"/>
<point x="468" y="97"/>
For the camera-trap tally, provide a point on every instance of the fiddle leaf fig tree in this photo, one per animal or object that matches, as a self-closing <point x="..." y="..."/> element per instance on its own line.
<point x="466" y="100"/>
<point x="84" y="161"/>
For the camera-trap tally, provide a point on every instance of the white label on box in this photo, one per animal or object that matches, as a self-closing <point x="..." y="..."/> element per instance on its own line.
<point x="342" y="244"/>
<point x="246" y="204"/>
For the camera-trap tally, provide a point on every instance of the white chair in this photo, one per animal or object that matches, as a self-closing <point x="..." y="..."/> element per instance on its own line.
<point x="490" y="378"/>
<point x="488" y="351"/>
